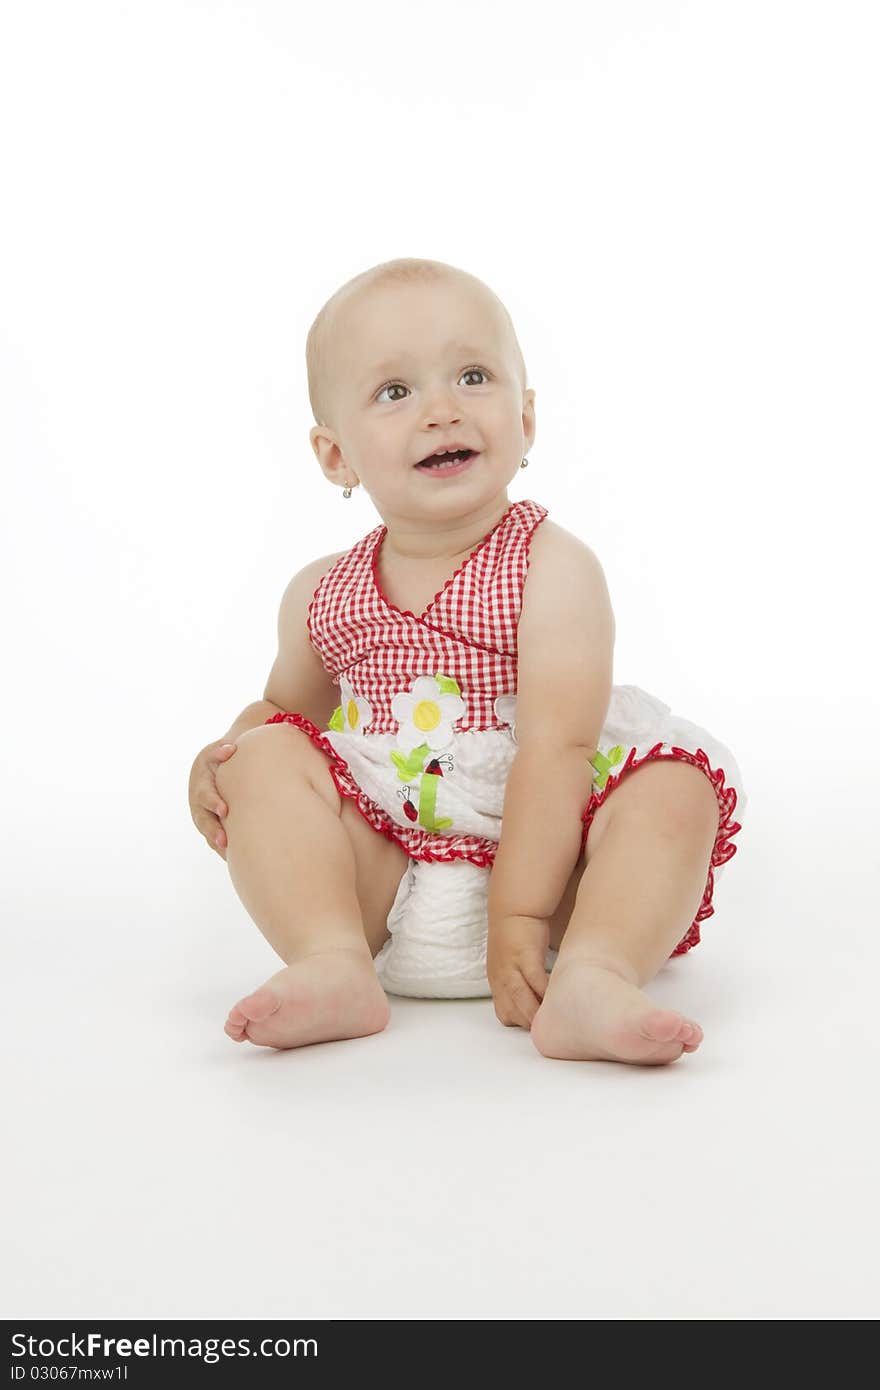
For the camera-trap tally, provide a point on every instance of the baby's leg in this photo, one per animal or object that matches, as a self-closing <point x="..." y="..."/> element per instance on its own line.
<point x="643" y="883"/>
<point x="292" y="864"/>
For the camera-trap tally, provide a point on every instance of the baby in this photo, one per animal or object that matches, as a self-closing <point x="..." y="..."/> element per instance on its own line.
<point x="442" y="794"/>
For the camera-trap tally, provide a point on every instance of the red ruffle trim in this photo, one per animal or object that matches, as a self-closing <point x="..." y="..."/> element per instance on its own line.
<point x="722" y="850"/>
<point x="418" y="844"/>
<point x="436" y="849"/>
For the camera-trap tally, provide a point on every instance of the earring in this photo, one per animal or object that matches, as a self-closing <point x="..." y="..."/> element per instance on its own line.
<point x="346" y="491"/>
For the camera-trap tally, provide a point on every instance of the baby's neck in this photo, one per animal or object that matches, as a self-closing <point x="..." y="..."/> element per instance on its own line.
<point x="435" y="544"/>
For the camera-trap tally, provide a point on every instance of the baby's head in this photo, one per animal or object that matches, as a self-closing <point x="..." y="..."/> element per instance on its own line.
<point x="406" y="358"/>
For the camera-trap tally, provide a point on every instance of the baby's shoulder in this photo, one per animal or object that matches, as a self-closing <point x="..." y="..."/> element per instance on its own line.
<point x="553" y="544"/>
<point x="303" y="589"/>
<point x="562" y="571"/>
<point x="315" y="570"/>
<point x="328" y="561"/>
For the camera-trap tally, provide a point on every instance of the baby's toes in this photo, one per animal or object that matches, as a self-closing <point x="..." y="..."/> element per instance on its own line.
<point x="257" y="1007"/>
<point x="233" y="1030"/>
<point x="664" y="1026"/>
<point x="676" y="1034"/>
<point x="253" y="1008"/>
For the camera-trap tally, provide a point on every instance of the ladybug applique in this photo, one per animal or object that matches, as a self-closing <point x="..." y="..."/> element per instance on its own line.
<point x="436" y="765"/>
<point x="434" y="768"/>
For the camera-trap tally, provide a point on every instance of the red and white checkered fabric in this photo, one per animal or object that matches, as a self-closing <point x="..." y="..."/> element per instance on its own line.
<point x="425" y="733"/>
<point x="468" y="631"/>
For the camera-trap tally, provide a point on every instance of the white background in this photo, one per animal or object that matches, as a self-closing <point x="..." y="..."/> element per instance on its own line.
<point x="677" y="203"/>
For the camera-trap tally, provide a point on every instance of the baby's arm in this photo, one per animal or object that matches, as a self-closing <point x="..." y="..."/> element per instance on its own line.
<point x="297" y="682"/>
<point x="565" y="646"/>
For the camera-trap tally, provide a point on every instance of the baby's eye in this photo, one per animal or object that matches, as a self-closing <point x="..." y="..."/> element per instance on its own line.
<point x="390" y="387"/>
<point x="469" y="371"/>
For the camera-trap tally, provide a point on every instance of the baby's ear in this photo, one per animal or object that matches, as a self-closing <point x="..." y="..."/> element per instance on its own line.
<point x="529" y="427"/>
<point x="329" y="454"/>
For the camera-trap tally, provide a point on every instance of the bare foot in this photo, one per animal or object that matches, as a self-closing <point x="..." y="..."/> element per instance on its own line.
<point x="317" y="998"/>
<point x="590" y="1012"/>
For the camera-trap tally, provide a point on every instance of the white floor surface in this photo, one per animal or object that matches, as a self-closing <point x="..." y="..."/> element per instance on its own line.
<point x="442" y="1169"/>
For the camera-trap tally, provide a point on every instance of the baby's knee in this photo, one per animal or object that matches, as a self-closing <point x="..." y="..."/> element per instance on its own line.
<point x="262" y="751"/>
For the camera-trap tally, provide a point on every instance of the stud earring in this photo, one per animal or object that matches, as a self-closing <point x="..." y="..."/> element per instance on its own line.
<point x="346" y="491"/>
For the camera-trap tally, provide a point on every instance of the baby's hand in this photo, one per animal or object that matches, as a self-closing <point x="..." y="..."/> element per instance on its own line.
<point x="206" y="805"/>
<point x="515" y="953"/>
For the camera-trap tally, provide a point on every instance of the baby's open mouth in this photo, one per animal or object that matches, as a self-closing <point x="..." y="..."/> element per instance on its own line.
<point x="447" y="460"/>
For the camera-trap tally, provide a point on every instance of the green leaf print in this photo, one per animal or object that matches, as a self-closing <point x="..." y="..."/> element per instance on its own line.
<point x="603" y="762"/>
<point x="410" y="764"/>
<point x="428" y="804"/>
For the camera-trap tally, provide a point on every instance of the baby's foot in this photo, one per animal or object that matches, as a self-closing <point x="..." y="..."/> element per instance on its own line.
<point x="331" y="994"/>
<point x="590" y="1012"/>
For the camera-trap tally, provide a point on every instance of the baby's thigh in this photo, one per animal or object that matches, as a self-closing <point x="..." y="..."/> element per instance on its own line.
<point x="379" y="866"/>
<point x="272" y="752"/>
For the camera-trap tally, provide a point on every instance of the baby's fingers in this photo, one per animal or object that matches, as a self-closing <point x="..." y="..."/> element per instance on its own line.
<point x="536" y="976"/>
<point x="517" y="1004"/>
<point x="208" y="824"/>
<point x="527" y="1002"/>
<point x="211" y="808"/>
<point x="220" y="842"/>
<point x="206" y="804"/>
<point x="215" y="804"/>
<point x="209" y="800"/>
<point x="223" y="754"/>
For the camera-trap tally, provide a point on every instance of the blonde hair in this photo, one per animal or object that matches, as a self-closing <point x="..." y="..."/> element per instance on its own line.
<point x="404" y="270"/>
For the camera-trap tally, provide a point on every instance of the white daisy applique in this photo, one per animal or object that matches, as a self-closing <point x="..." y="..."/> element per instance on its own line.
<point x="505" y="712"/>
<point x="353" y="714"/>
<point x="426" y="712"/>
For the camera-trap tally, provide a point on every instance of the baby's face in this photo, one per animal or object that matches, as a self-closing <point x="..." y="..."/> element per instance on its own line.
<point x="416" y="368"/>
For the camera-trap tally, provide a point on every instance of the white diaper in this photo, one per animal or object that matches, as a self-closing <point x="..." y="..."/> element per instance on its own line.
<point x="438" y="922"/>
<point x="438" y="925"/>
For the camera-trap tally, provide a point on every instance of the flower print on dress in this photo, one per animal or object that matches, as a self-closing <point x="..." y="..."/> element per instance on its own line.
<point x="505" y="712"/>
<point x="354" y="713"/>
<point x="426" y="712"/>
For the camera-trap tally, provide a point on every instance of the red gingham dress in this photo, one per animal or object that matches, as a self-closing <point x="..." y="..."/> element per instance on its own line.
<point x="424" y="735"/>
